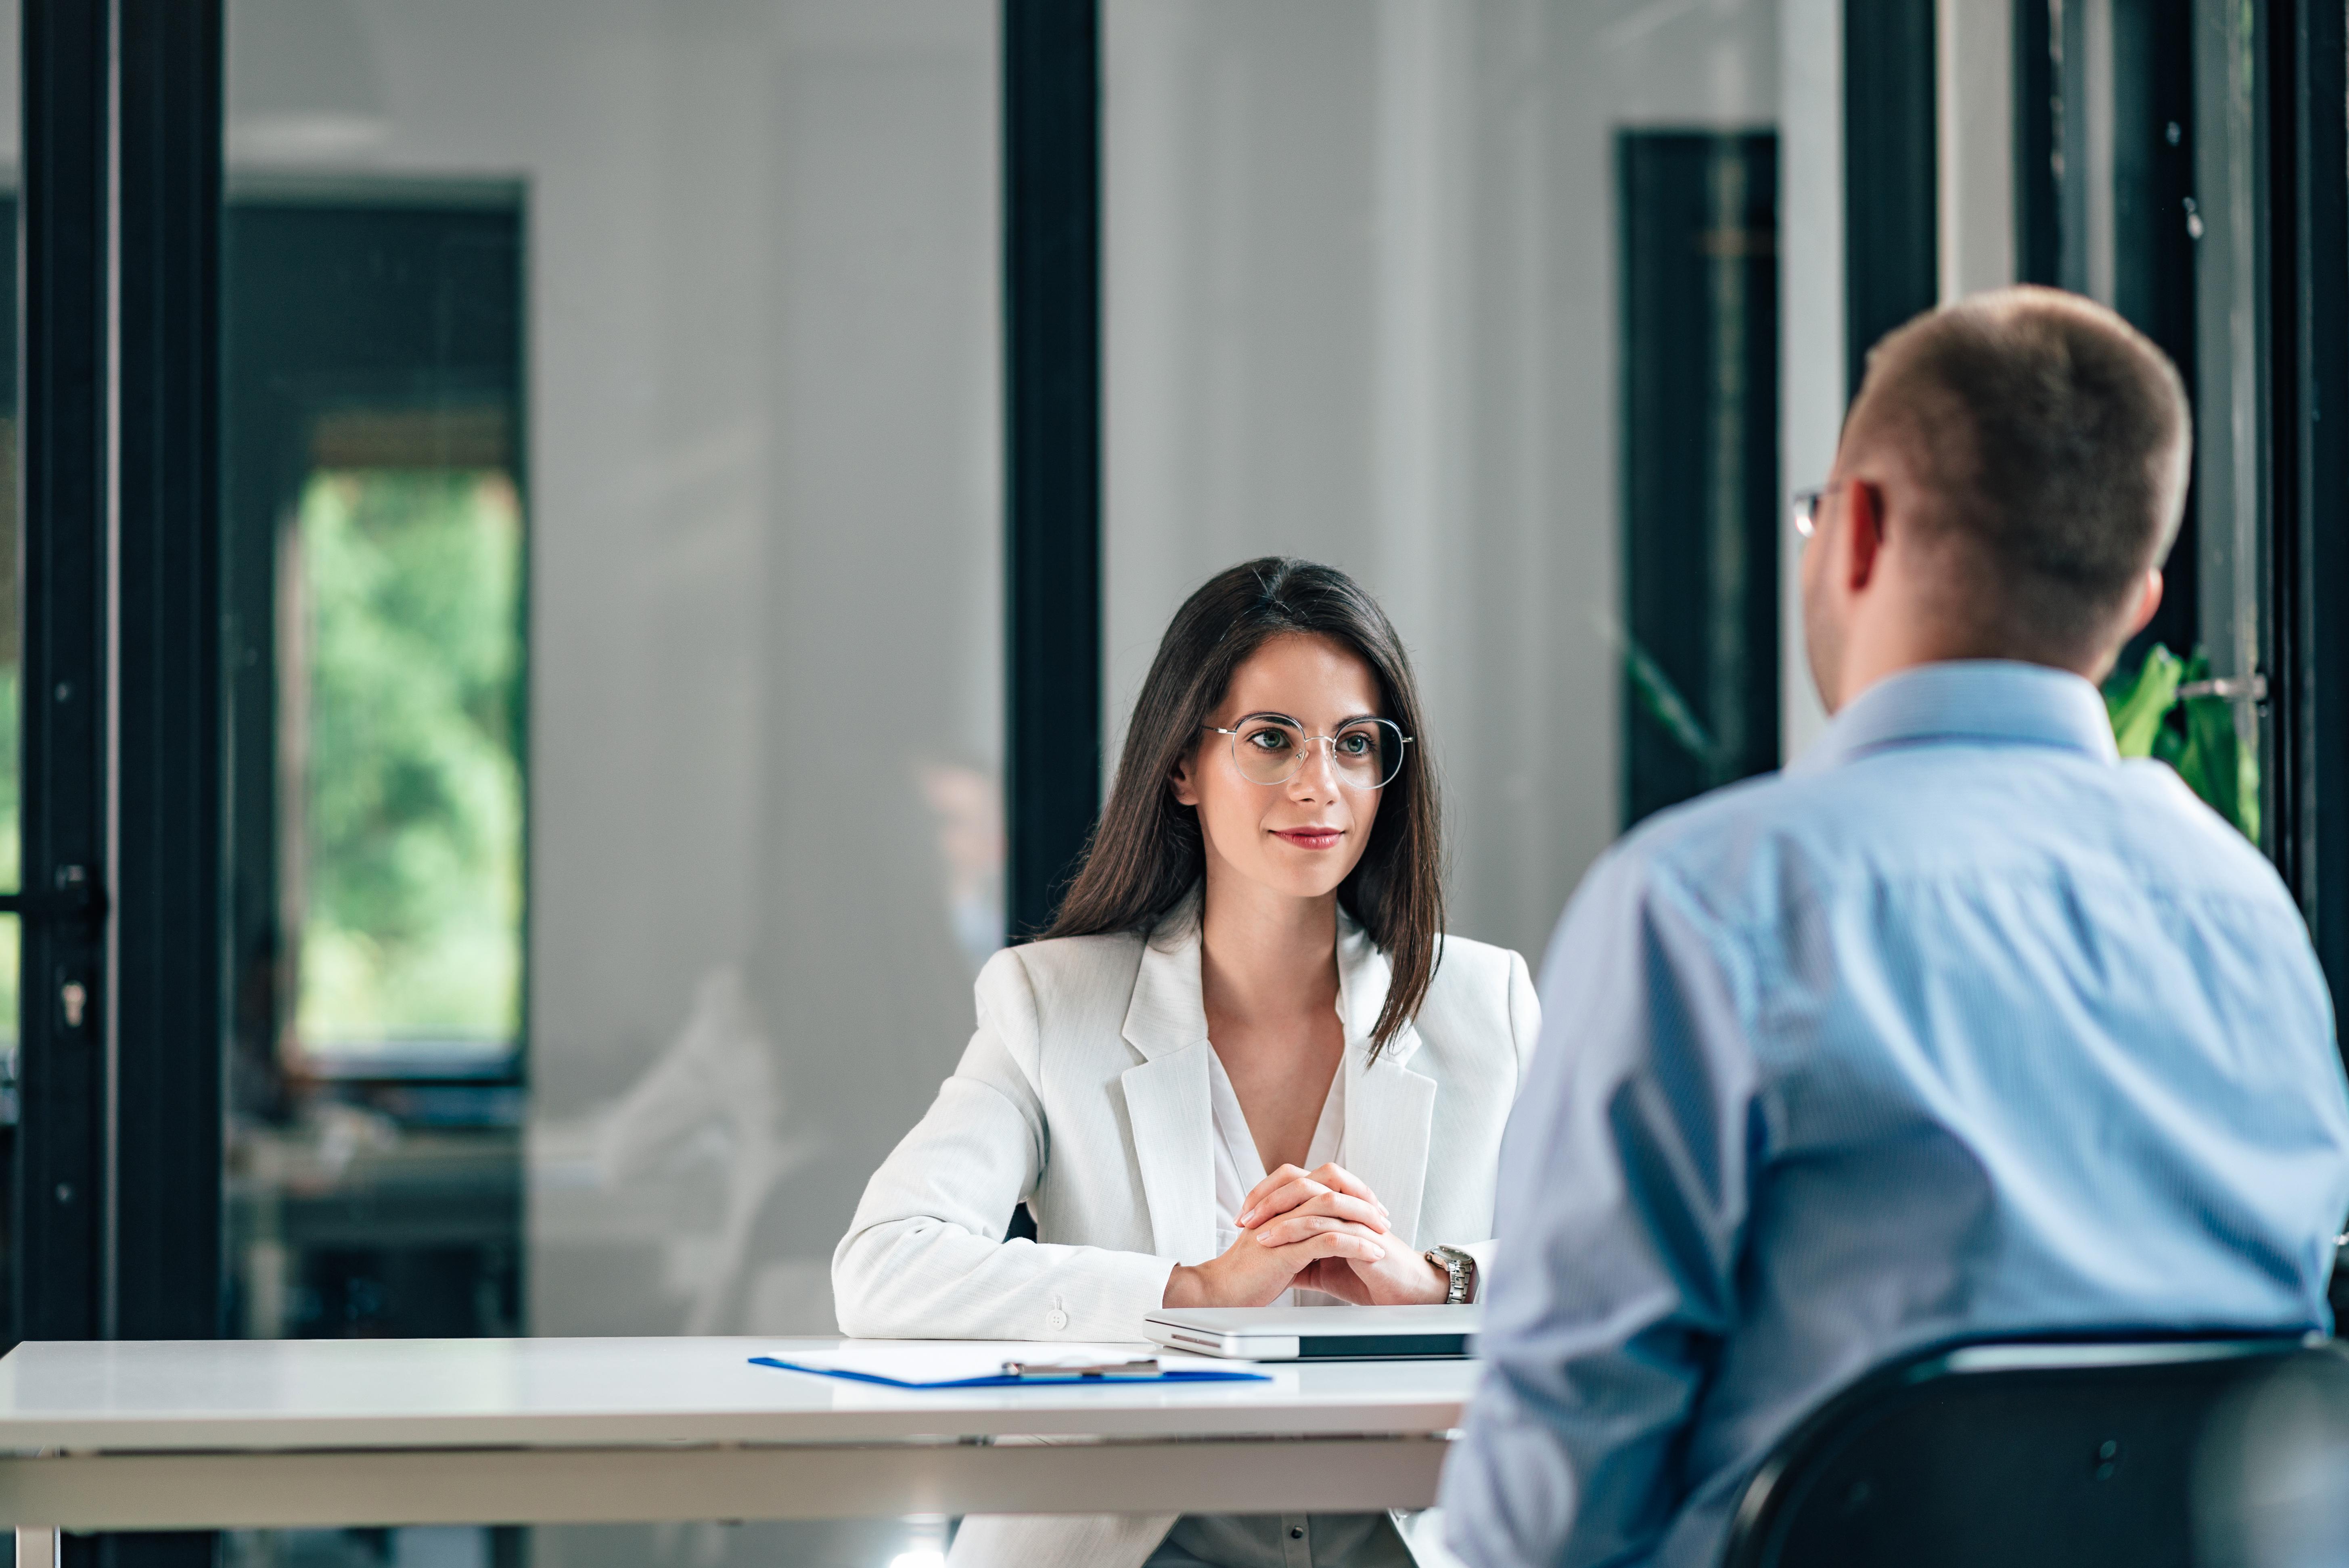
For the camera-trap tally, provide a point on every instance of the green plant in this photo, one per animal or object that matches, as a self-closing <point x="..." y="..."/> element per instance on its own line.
<point x="2195" y="734"/>
<point x="411" y="823"/>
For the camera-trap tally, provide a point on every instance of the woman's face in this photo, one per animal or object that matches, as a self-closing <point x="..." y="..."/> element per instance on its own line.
<point x="1302" y="837"/>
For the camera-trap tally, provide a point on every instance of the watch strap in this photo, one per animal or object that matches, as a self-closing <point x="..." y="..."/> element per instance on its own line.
<point x="1459" y="1269"/>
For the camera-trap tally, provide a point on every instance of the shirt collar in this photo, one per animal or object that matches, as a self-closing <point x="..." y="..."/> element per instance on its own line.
<point x="1968" y="699"/>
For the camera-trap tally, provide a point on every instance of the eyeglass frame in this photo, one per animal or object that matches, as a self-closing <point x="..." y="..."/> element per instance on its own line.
<point x="1804" y="508"/>
<point x="1402" y="755"/>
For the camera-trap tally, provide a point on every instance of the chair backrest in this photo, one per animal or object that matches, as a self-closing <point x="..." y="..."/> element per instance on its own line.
<point x="2081" y="1454"/>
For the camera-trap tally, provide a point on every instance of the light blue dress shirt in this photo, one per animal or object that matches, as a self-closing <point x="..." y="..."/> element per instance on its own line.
<point x="1959" y="1026"/>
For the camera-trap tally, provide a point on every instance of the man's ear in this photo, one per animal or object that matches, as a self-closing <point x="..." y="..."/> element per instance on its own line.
<point x="2149" y="602"/>
<point x="1863" y="505"/>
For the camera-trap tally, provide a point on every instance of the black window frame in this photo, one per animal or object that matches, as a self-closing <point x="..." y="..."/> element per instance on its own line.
<point x="118" y="1143"/>
<point x="2301" y="92"/>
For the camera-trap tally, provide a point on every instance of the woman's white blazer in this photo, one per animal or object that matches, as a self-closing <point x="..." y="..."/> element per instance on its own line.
<point x="1085" y="1092"/>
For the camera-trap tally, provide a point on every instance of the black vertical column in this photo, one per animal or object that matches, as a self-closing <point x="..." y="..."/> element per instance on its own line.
<point x="2304" y="86"/>
<point x="118" y="1173"/>
<point x="168" y="873"/>
<point x="2155" y="221"/>
<point x="2038" y="133"/>
<point x="62" y="465"/>
<point x="1892" y="188"/>
<point x="1053" y="368"/>
<point x="117" y="1194"/>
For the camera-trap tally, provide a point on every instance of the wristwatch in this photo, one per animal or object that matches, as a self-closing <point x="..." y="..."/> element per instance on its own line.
<point x="1459" y="1268"/>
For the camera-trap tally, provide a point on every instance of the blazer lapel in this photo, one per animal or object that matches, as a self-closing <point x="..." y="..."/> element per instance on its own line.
<point x="1173" y="1128"/>
<point x="1390" y="1116"/>
<point x="1390" y="1108"/>
<point x="1166" y="1102"/>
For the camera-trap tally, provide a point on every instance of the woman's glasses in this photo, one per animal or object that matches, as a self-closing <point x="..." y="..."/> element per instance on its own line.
<point x="1365" y="753"/>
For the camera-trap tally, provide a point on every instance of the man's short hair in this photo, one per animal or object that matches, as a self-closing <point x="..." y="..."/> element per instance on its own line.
<point x="2054" y="439"/>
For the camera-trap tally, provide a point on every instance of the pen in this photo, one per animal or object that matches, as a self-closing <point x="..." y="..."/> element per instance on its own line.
<point x="1073" y="1372"/>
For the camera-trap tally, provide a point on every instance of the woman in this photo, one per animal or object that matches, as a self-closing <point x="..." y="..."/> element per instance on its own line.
<point x="1245" y="1062"/>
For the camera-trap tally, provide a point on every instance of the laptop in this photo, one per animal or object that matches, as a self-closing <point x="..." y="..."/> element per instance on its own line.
<point x="1316" y="1333"/>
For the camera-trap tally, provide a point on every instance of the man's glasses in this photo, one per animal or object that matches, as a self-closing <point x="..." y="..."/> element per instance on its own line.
<point x="1805" y="510"/>
<point x="1365" y="753"/>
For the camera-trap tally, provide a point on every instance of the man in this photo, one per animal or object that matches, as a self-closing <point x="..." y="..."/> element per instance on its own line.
<point x="1958" y="1027"/>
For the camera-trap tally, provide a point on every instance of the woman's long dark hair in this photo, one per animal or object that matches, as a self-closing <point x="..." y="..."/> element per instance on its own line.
<point x="1147" y="851"/>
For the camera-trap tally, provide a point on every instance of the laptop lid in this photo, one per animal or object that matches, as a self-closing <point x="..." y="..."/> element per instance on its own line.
<point x="1316" y="1333"/>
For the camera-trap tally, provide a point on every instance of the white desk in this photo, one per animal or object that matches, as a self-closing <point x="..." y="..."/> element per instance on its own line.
<point x="132" y="1434"/>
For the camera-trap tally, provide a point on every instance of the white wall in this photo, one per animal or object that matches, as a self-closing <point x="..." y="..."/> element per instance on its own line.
<point x="1974" y="105"/>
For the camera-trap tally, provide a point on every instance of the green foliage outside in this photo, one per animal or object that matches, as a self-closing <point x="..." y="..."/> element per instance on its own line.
<point x="410" y="828"/>
<point x="2195" y="735"/>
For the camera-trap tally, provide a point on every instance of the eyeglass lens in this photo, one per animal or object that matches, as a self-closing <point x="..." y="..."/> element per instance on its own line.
<point x="1806" y="510"/>
<point x="1366" y="754"/>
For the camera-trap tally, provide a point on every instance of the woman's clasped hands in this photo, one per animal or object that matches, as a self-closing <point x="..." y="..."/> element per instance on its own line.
<point x="1321" y="1230"/>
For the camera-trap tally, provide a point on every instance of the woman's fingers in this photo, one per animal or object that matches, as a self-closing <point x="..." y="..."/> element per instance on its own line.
<point x="1352" y="1242"/>
<point x="1339" y="1277"/>
<point x="1255" y="1270"/>
<point x="1274" y="1182"/>
<point x="1267" y="1201"/>
<point x="1289" y="1230"/>
<point x="1289" y="1188"/>
<point x="1336" y="1175"/>
<point x="1319" y="1200"/>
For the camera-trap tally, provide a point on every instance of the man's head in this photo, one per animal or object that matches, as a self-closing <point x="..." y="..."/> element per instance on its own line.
<point x="2010" y="479"/>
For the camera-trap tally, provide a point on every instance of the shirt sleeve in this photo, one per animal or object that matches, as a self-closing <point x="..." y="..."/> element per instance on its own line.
<point x="1623" y="1196"/>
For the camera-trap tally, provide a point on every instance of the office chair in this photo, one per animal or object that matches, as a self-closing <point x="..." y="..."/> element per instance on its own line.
<point x="2136" y="1454"/>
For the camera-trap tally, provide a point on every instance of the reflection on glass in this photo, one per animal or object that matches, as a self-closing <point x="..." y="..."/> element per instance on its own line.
<point x="372" y="385"/>
<point x="967" y="805"/>
<point x="411" y="1546"/>
<point x="2150" y="133"/>
<point x="407" y="830"/>
<point x="714" y="290"/>
<point x="1701" y="512"/>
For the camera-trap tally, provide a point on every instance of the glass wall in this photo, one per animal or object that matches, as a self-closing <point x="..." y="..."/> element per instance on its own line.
<point x="2155" y="176"/>
<point x="1478" y="302"/>
<point x="612" y="435"/>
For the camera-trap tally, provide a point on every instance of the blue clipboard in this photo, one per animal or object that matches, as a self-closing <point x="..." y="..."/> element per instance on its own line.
<point x="1006" y="1380"/>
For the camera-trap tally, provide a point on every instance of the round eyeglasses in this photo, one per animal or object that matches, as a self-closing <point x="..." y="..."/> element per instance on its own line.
<point x="1365" y="753"/>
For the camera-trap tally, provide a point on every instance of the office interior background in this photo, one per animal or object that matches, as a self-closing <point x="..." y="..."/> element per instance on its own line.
<point x="579" y="564"/>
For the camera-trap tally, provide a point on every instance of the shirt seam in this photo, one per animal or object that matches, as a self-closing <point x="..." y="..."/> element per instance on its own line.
<point x="1801" y="901"/>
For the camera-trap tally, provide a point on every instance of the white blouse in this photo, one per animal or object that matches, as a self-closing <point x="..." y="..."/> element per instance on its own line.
<point x="1238" y="1166"/>
<point x="1274" y="1541"/>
